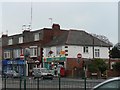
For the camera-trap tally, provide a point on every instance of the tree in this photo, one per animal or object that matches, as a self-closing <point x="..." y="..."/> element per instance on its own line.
<point x="97" y="65"/>
<point x="115" y="52"/>
<point x="116" y="66"/>
<point x="92" y="68"/>
<point x="103" y="38"/>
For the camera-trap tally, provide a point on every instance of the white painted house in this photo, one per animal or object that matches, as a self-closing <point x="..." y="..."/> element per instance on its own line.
<point x="73" y="42"/>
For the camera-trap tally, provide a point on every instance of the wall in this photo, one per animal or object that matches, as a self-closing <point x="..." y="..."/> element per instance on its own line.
<point x="0" y="48"/>
<point x="74" y="50"/>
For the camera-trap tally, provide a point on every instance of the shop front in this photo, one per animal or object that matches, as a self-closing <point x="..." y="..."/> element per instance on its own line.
<point x="16" y="65"/>
<point x="55" y="64"/>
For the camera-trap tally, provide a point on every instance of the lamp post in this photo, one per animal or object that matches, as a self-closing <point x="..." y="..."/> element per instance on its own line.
<point x="26" y="55"/>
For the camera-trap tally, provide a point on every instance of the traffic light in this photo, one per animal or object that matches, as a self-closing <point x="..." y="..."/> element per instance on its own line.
<point x="42" y="53"/>
<point x="41" y="57"/>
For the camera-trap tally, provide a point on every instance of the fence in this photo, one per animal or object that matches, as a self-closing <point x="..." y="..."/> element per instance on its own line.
<point x="57" y="83"/>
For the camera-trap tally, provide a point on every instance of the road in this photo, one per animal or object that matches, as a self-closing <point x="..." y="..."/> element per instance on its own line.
<point x="64" y="83"/>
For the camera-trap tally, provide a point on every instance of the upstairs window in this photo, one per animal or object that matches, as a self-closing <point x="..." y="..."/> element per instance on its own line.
<point x="58" y="49"/>
<point x="16" y="53"/>
<point x="33" y="51"/>
<point x="36" y="37"/>
<point x="97" y="52"/>
<point x="47" y="51"/>
<point x="85" y="49"/>
<point x="20" y="39"/>
<point x="10" y="41"/>
<point x="66" y="46"/>
<point x="7" y="54"/>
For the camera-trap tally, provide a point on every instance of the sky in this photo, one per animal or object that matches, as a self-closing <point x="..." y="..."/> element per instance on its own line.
<point x="94" y="17"/>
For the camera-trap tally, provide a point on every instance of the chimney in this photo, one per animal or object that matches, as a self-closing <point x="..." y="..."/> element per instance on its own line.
<point x="56" y="27"/>
<point x="4" y="35"/>
<point x="56" y="30"/>
<point x="4" y="39"/>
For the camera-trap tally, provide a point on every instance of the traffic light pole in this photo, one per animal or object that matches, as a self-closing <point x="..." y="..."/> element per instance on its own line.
<point x="25" y="74"/>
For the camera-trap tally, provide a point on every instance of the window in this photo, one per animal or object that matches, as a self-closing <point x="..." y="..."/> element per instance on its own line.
<point x="33" y="51"/>
<point x="97" y="52"/>
<point x="66" y="54"/>
<point x="66" y="50"/>
<point x="112" y="85"/>
<point x="7" y="54"/>
<point x="36" y="37"/>
<point x="10" y="41"/>
<point x="17" y="53"/>
<point x="58" y="49"/>
<point x="47" y="51"/>
<point x="20" y="39"/>
<point x="85" y="49"/>
<point x="39" y="51"/>
<point x="66" y="46"/>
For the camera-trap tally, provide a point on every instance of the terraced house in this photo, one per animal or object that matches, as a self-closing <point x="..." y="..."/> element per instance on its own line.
<point x="0" y="48"/>
<point x="55" y="47"/>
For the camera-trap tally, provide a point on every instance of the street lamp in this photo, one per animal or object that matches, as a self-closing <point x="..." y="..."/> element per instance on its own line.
<point x="26" y="55"/>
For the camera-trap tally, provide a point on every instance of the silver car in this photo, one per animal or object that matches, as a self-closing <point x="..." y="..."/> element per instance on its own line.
<point x="11" y="73"/>
<point x="110" y="84"/>
<point x="42" y="73"/>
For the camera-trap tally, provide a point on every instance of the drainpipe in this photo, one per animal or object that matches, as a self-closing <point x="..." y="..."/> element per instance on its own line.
<point x="93" y="47"/>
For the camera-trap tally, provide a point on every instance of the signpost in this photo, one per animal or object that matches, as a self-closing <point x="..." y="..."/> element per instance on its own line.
<point x="22" y="57"/>
<point x="79" y="56"/>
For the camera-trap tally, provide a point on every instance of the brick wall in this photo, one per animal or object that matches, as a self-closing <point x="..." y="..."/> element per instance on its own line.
<point x="73" y="68"/>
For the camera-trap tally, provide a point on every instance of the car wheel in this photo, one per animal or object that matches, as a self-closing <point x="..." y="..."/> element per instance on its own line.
<point x="51" y="78"/>
<point x="34" y="77"/>
<point x="42" y="78"/>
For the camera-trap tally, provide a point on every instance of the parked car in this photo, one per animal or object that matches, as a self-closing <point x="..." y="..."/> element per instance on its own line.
<point x="42" y="73"/>
<point x="110" y="84"/>
<point x="11" y="73"/>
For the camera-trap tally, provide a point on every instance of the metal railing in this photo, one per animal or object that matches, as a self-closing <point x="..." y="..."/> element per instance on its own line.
<point x="57" y="83"/>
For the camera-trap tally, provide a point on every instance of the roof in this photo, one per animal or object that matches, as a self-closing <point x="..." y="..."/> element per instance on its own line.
<point x="59" y="40"/>
<point x="77" y="37"/>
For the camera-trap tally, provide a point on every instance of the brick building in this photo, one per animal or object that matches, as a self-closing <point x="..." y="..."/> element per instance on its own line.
<point x="55" y="46"/>
<point x="0" y="49"/>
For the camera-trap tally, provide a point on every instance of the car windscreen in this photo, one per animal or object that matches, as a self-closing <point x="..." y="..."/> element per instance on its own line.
<point x="44" y="70"/>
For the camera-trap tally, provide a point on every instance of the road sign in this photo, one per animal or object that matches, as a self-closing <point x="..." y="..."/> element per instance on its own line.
<point x="79" y="55"/>
<point x="21" y="56"/>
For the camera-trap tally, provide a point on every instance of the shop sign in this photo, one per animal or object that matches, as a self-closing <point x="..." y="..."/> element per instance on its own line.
<point x="56" y="59"/>
<point x="15" y="62"/>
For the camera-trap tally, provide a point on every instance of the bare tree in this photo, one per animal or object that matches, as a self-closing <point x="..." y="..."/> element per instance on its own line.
<point x="103" y="38"/>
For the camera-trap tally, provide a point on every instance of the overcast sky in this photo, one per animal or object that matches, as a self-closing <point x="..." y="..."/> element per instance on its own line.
<point x="94" y="17"/>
